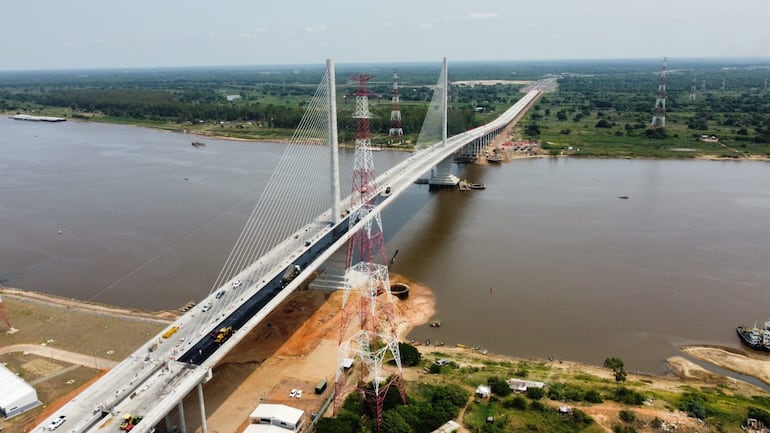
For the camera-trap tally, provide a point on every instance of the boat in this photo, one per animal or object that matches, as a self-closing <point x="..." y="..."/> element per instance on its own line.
<point x="435" y="324"/>
<point x="197" y="143"/>
<point x="494" y="158"/>
<point x="477" y="186"/>
<point x="37" y="118"/>
<point x="756" y="338"/>
<point x="623" y="197"/>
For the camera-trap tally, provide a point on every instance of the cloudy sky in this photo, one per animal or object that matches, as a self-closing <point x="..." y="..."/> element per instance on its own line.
<point x="48" y="34"/>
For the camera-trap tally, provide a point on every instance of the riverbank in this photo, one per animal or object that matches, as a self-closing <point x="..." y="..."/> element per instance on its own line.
<point x="297" y="346"/>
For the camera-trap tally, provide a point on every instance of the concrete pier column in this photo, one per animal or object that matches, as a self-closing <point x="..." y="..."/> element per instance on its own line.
<point x="442" y="175"/>
<point x="182" y="426"/>
<point x="168" y="423"/>
<point x="203" y="409"/>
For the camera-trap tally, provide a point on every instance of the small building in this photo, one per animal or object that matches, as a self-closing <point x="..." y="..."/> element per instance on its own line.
<point x="522" y="385"/>
<point x="448" y="427"/>
<point x="264" y="428"/>
<point x="231" y="98"/>
<point x="347" y="363"/>
<point x="280" y="415"/>
<point x="17" y="396"/>
<point x="564" y="410"/>
<point x="442" y="362"/>
<point x="483" y="391"/>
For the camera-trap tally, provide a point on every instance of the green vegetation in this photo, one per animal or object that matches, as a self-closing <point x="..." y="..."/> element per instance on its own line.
<point x="269" y="105"/>
<point x="447" y="390"/>
<point x="616" y="365"/>
<point x="601" y="109"/>
<point x="607" y="113"/>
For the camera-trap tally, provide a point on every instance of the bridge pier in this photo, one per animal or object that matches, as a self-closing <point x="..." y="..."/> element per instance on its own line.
<point x="168" y="423"/>
<point x="182" y="425"/>
<point x="442" y="177"/>
<point x="203" y="408"/>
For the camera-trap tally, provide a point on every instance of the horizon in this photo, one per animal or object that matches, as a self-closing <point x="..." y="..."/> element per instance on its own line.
<point x="742" y="61"/>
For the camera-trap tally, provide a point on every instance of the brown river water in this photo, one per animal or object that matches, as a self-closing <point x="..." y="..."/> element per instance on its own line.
<point x="547" y="261"/>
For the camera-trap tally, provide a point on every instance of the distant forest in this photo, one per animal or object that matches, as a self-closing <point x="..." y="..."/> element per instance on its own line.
<point x="275" y="96"/>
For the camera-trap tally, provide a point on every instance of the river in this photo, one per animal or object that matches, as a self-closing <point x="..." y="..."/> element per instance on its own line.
<point x="547" y="261"/>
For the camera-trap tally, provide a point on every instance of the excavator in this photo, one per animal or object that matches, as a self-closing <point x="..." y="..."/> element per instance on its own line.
<point x="224" y="334"/>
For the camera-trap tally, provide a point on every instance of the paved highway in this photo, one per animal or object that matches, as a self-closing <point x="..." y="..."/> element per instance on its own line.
<point x="154" y="379"/>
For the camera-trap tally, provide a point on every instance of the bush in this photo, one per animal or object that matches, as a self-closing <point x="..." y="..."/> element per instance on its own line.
<point x="537" y="405"/>
<point x="694" y="404"/>
<point x="580" y="417"/>
<point x="603" y="124"/>
<point x="759" y="415"/>
<point x="499" y="386"/>
<point x="592" y="396"/>
<point x="656" y="423"/>
<point x="627" y="416"/>
<point x="535" y="393"/>
<point x="617" y="428"/>
<point x="627" y="396"/>
<point x="562" y="392"/>
<point x="410" y="356"/>
<point x="517" y="402"/>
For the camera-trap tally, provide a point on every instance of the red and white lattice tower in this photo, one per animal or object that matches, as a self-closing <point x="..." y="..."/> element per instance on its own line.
<point x="694" y="86"/>
<point x="396" y="130"/>
<point x="368" y="327"/>
<point x="368" y="240"/>
<point x="4" y="317"/>
<point x="659" y="112"/>
<point x="368" y="311"/>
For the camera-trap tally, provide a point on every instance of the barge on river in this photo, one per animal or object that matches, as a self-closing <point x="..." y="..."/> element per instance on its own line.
<point x="756" y="338"/>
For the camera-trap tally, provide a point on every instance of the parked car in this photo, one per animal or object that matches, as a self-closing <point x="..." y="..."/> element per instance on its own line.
<point x="299" y="394"/>
<point x="206" y="307"/>
<point x="292" y="393"/>
<point x="220" y="294"/>
<point x="236" y="284"/>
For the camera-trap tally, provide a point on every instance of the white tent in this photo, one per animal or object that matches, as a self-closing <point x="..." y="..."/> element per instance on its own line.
<point x="17" y="396"/>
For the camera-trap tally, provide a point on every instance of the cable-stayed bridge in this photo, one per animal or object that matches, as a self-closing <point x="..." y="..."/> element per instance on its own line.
<point x="301" y="219"/>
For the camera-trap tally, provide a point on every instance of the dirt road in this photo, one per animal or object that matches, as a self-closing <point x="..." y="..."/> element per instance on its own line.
<point x="60" y="355"/>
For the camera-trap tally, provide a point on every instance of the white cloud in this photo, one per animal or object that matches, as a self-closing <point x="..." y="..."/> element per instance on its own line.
<point x="249" y="35"/>
<point x="483" y="16"/>
<point x="425" y="26"/>
<point x="316" y="29"/>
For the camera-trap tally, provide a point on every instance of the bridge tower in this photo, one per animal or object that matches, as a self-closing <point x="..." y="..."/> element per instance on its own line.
<point x="4" y="316"/>
<point x="396" y="130"/>
<point x="659" y="112"/>
<point x="442" y="176"/>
